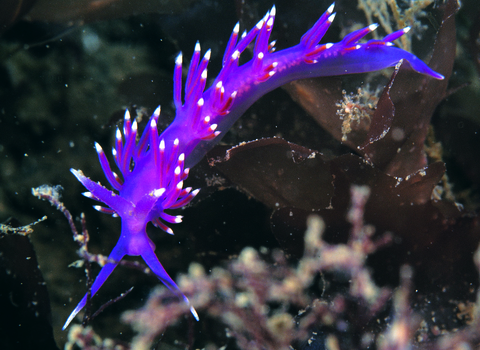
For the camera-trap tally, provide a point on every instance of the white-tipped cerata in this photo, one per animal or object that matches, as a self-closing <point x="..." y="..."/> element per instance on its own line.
<point x="158" y="192"/>
<point x="179" y="59"/>
<point x="330" y="9"/>
<point x="98" y="148"/>
<point x="208" y="54"/>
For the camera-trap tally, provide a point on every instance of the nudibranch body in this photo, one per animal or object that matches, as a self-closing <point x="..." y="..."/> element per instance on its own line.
<point x="154" y="167"/>
<point x="153" y="184"/>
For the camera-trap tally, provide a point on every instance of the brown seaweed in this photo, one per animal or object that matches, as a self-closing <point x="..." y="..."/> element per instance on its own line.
<point x="432" y="234"/>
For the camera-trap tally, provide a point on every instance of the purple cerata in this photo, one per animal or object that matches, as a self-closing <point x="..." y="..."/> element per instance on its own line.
<point x="153" y="169"/>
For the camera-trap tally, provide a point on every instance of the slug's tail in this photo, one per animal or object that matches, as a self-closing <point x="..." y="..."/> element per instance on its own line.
<point x="239" y="85"/>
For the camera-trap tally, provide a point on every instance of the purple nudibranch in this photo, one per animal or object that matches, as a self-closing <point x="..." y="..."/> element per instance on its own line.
<point x="154" y="168"/>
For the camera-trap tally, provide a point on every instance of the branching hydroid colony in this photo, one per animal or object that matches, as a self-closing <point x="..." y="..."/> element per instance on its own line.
<point x="154" y="168"/>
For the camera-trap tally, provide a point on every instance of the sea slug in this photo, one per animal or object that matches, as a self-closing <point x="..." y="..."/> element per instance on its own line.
<point x="153" y="169"/>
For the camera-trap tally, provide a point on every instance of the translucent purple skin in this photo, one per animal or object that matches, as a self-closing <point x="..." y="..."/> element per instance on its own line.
<point x="155" y="182"/>
<point x="237" y="87"/>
